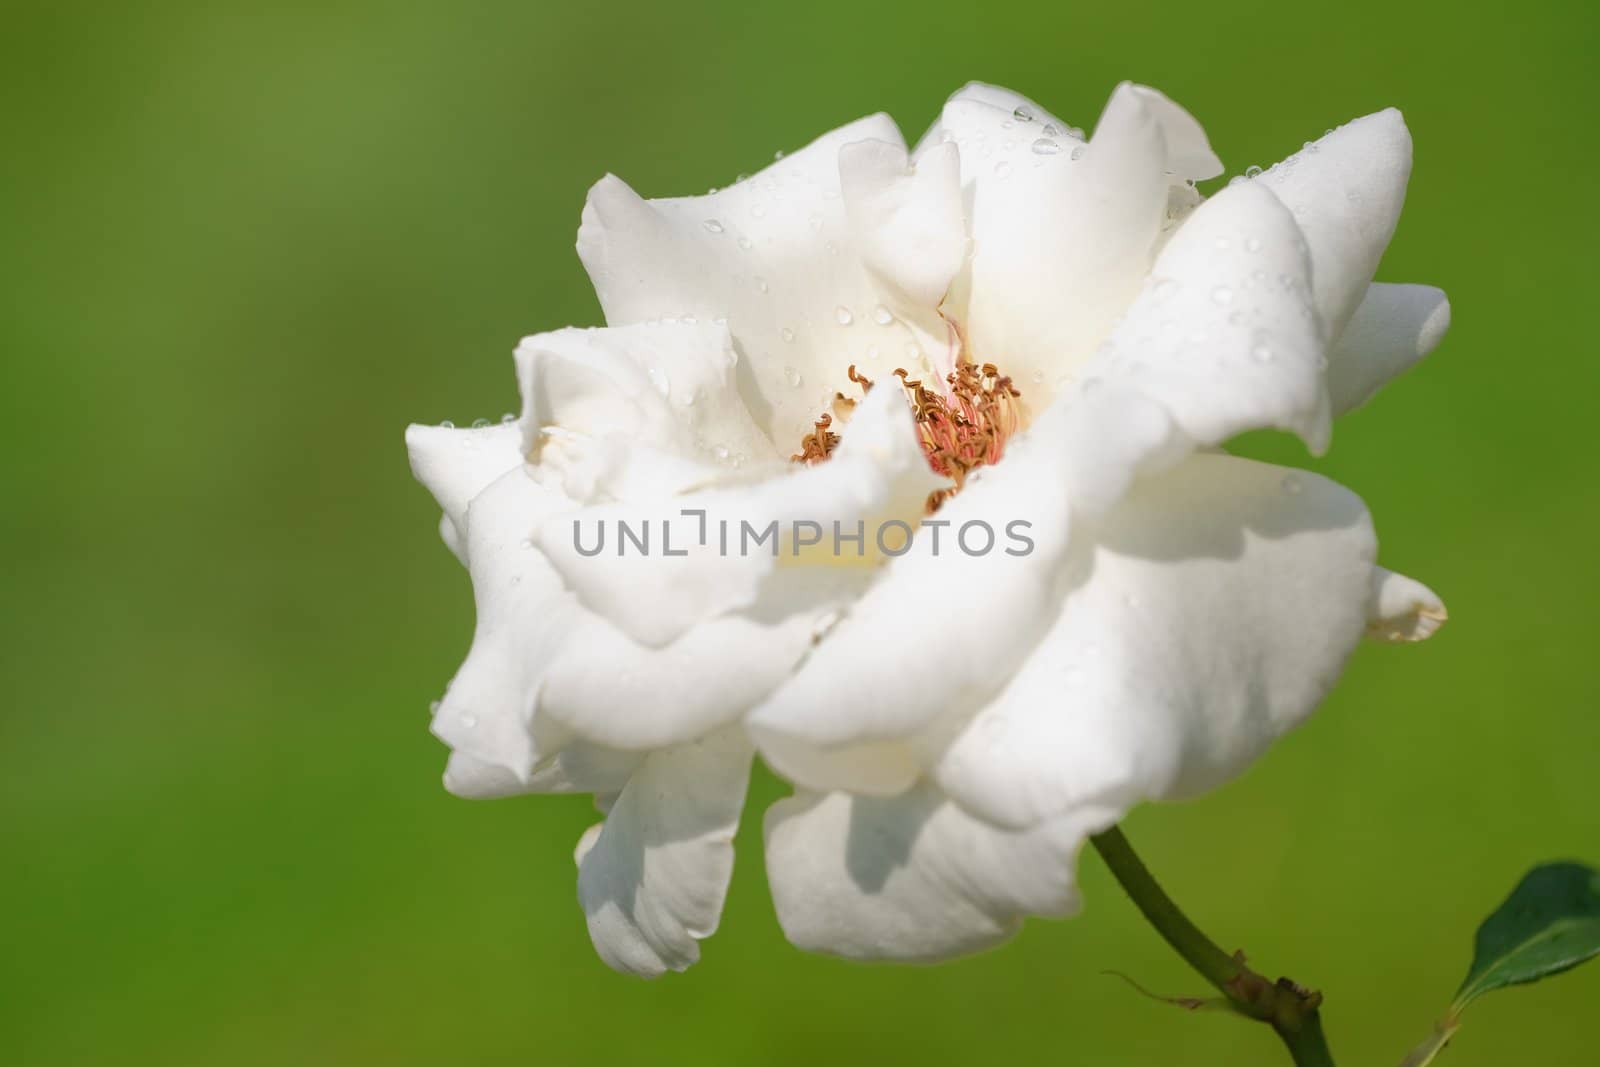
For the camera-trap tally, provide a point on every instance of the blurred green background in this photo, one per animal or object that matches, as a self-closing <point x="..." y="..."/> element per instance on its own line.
<point x="246" y="244"/>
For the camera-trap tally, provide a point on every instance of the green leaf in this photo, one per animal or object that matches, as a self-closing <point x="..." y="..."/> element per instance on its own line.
<point x="1550" y="923"/>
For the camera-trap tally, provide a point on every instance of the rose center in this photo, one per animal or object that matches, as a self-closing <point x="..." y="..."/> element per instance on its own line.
<point x="962" y="427"/>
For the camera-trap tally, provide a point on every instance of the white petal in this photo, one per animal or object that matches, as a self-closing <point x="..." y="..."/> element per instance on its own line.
<point x="1346" y="192"/>
<point x="1000" y="107"/>
<point x="935" y="636"/>
<point x="1213" y="610"/>
<point x="1393" y="328"/>
<point x="1221" y="340"/>
<point x="653" y="878"/>
<point x="1189" y="153"/>
<point x="635" y="411"/>
<point x="523" y="618"/>
<point x="774" y="254"/>
<point x="456" y="465"/>
<point x="913" y="877"/>
<point x="1061" y="244"/>
<point x="910" y="226"/>
<point x="877" y="473"/>
<point x="579" y="767"/>
<point x="1403" y="609"/>
<point x="615" y="691"/>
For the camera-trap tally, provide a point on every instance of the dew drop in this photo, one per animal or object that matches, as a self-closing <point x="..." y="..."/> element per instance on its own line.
<point x="712" y="225"/>
<point x="1165" y="289"/>
<point x="1001" y="169"/>
<point x="1044" y="146"/>
<point x="468" y="720"/>
<point x="1037" y="377"/>
<point x="842" y="315"/>
<point x="744" y="243"/>
<point x="447" y="425"/>
<point x="659" y="379"/>
<point x="787" y="334"/>
<point x="1252" y="244"/>
<point x="882" y="315"/>
<point x="913" y="350"/>
<point x="792" y="376"/>
<point x="1261" y="352"/>
<point x="478" y="424"/>
<point x="721" y="451"/>
<point x="507" y="419"/>
<point x="1077" y="153"/>
<point x="1291" y="485"/>
<point x="1022" y="114"/>
<point x="778" y="154"/>
<point x="761" y="283"/>
<point x="1252" y="171"/>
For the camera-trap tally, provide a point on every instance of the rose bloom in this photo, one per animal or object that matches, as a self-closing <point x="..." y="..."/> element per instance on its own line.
<point x="1014" y="328"/>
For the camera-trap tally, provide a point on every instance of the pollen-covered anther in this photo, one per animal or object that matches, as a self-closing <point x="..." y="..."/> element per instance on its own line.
<point x="961" y="428"/>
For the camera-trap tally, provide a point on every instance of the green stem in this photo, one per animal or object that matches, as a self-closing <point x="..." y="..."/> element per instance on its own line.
<point x="1291" y="1011"/>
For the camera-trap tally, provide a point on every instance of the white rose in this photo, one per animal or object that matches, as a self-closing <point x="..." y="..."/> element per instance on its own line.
<point x="956" y="722"/>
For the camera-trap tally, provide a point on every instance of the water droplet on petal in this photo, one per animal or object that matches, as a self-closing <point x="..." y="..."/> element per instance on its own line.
<point x="507" y="419"/>
<point x="659" y="379"/>
<point x="1044" y="146"/>
<point x="744" y="243"/>
<point x="712" y="225"/>
<point x="786" y="333"/>
<point x="1165" y="289"/>
<point x="761" y="283"/>
<point x="1077" y="153"/>
<point x="468" y="720"/>
<point x="478" y="424"/>
<point x="1291" y="485"/>
<point x="882" y="315"/>
<point x="447" y="425"/>
<point x="1252" y="244"/>
<point x="1001" y="169"/>
<point x="792" y="376"/>
<point x="1022" y="114"/>
<point x="1252" y="171"/>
